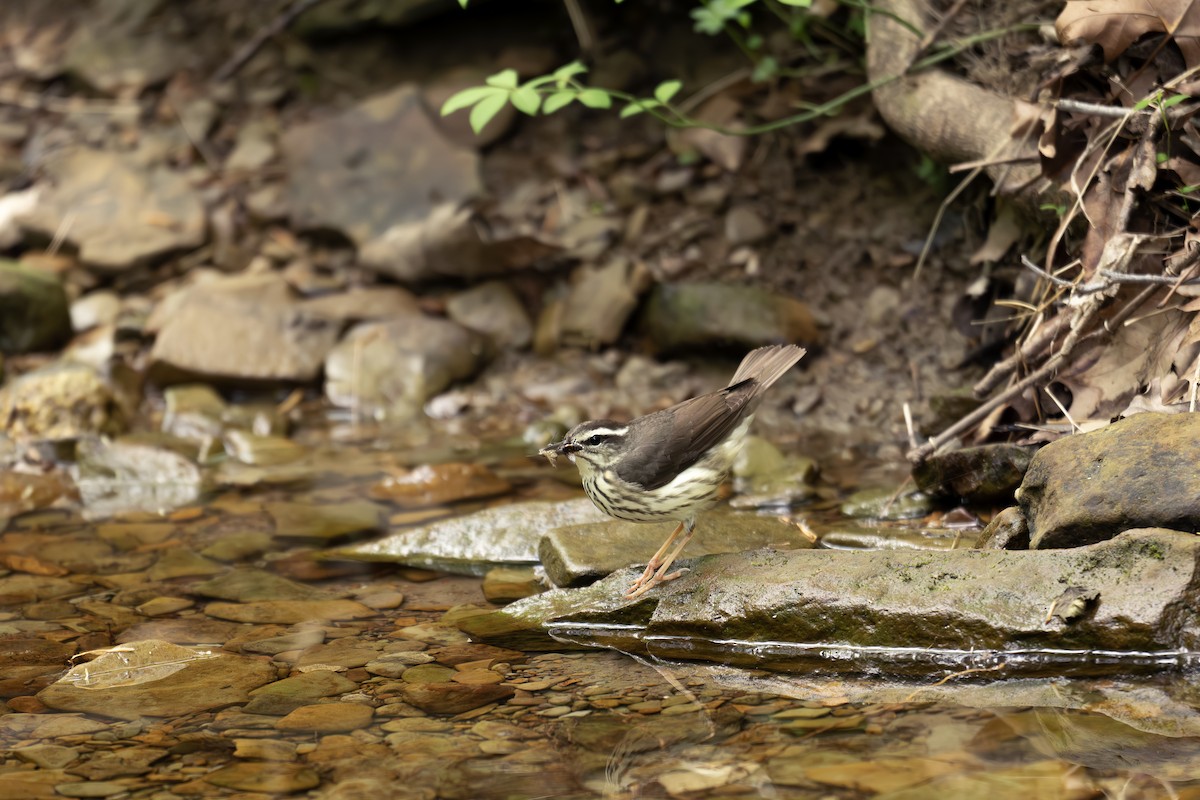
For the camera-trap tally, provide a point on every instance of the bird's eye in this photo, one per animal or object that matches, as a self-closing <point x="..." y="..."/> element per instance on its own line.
<point x="596" y="439"/>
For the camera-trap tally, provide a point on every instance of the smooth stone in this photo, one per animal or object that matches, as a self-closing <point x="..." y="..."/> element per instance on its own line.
<point x="494" y="310"/>
<point x="327" y="718"/>
<point x="127" y="761"/>
<point x="695" y="316"/>
<point x="158" y="606"/>
<point x="428" y="673"/>
<point x="134" y="474"/>
<point x="886" y="503"/>
<point x="248" y="584"/>
<point x="453" y="698"/>
<point x="250" y="448"/>
<point x="984" y="474"/>
<point x="389" y="369"/>
<point x="90" y="788"/>
<point x="255" y="329"/>
<point x="346" y="652"/>
<point x="856" y="536"/>
<point x="123" y="213"/>
<point x="34" y="314"/>
<point x="353" y="156"/>
<point x="193" y="411"/>
<point x="361" y="303"/>
<point x="239" y="546"/>
<point x="20" y="589"/>
<point x="852" y="610"/>
<point x="579" y="554"/>
<point x="182" y="562"/>
<point x="264" y="749"/>
<point x="18" y="726"/>
<point x="600" y="301"/>
<point x="454" y="654"/>
<point x="743" y="225"/>
<point x="185" y="630"/>
<point x="164" y="684"/>
<point x="46" y="756"/>
<point x="326" y="523"/>
<point x="132" y="535"/>
<point x="506" y="584"/>
<point x="265" y="777"/>
<point x="439" y="484"/>
<point x="1137" y="473"/>
<point x="296" y="640"/>
<point x="289" y="611"/>
<point x="286" y="695"/>
<point x="95" y="309"/>
<point x="476" y="543"/>
<point x="1008" y="530"/>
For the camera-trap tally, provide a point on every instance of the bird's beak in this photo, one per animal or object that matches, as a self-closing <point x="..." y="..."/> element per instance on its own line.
<point x="553" y="451"/>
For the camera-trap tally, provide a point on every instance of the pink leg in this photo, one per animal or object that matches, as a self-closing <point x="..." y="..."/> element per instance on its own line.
<point x="656" y="570"/>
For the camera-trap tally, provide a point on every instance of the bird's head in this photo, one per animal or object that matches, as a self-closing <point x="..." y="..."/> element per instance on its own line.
<point x="598" y="443"/>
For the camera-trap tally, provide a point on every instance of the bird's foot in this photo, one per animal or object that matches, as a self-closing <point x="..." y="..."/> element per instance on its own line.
<point x="646" y="583"/>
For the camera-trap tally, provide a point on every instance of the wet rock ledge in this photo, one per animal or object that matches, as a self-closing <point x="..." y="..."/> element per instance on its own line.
<point x="1116" y="606"/>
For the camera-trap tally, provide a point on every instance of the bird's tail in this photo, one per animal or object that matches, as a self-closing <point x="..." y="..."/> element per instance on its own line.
<point x="767" y="364"/>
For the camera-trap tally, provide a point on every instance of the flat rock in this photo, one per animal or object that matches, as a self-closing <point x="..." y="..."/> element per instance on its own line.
<point x="891" y="610"/>
<point x="453" y="698"/>
<point x="134" y="474"/>
<point x="240" y="329"/>
<point x="575" y="555"/>
<point x="391" y="368"/>
<point x="600" y="301"/>
<point x="34" y="315"/>
<point x="325" y="523"/>
<point x="289" y="612"/>
<point x="153" y="680"/>
<point x="327" y="718"/>
<point x="285" y="696"/>
<point x="493" y="309"/>
<point x="694" y="316"/>
<point x="55" y="403"/>
<point x="249" y="584"/>
<point x="123" y="212"/>
<point x="15" y="727"/>
<point x="1139" y="472"/>
<point x="267" y="777"/>
<point x="185" y="630"/>
<point x="473" y="544"/>
<point x="439" y="484"/>
<point x="362" y="303"/>
<point x="353" y="157"/>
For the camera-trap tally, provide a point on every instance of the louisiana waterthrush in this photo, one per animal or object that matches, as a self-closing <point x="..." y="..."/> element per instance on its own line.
<point x="670" y="465"/>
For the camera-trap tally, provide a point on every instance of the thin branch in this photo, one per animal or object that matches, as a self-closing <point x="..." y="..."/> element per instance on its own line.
<point x="274" y="28"/>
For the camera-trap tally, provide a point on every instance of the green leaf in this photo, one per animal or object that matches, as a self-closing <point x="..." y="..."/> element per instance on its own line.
<point x="766" y="68"/>
<point x="568" y="71"/>
<point x="1144" y="103"/>
<point x="666" y="90"/>
<point x="707" y="21"/>
<point x="558" y="100"/>
<point x="1173" y="100"/>
<point x="797" y="3"/>
<point x="485" y="109"/>
<point x="505" y="79"/>
<point x="463" y="3"/>
<point x="467" y="97"/>
<point x="526" y="99"/>
<point x="595" y="98"/>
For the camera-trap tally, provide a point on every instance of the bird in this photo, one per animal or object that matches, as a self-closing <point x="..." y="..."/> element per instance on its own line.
<point x="670" y="464"/>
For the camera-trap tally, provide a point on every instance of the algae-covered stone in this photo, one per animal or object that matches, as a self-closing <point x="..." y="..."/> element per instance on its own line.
<point x="55" y="403"/>
<point x="34" y="313"/>
<point x="979" y="474"/>
<point x="1137" y="473"/>
<point x="692" y="316"/>
<point x="577" y="554"/>
<point x="862" y="610"/>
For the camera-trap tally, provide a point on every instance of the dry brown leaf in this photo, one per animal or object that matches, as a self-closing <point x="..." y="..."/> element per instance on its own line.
<point x="1004" y="232"/>
<point x="1104" y="382"/>
<point x="1116" y="24"/>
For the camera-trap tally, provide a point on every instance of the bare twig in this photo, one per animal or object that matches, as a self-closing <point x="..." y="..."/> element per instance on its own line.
<point x="1082" y="319"/>
<point x="276" y="26"/>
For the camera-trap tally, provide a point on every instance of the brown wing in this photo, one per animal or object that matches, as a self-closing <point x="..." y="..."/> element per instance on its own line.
<point x="676" y="438"/>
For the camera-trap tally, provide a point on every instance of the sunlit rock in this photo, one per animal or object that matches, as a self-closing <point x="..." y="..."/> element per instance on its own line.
<point x="141" y="473"/>
<point x="891" y="610"/>
<point x="58" y="402"/>
<point x="1139" y="472"/>
<point x="473" y="544"/>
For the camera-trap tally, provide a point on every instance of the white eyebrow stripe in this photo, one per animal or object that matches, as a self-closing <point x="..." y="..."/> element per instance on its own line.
<point x="606" y="432"/>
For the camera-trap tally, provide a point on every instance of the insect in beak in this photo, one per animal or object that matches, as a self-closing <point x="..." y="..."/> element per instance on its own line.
<point x="553" y="451"/>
